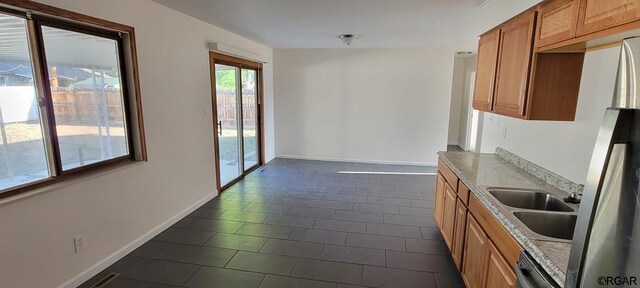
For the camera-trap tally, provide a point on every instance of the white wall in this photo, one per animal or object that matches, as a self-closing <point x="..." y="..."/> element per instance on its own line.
<point x="372" y="105"/>
<point x="113" y="210"/>
<point x="455" y="109"/>
<point x="562" y="147"/>
<point x="467" y="82"/>
<point x="495" y="12"/>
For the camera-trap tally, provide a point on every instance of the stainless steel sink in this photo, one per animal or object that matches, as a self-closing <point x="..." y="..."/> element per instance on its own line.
<point x="554" y="225"/>
<point x="527" y="199"/>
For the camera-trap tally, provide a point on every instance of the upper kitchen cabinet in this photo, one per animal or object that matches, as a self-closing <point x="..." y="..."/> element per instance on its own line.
<point x="530" y="66"/>
<point x="516" y="44"/>
<point x="597" y="15"/>
<point x="578" y="25"/>
<point x="486" y="70"/>
<point x="557" y="21"/>
<point x="554" y="86"/>
<point x="523" y="83"/>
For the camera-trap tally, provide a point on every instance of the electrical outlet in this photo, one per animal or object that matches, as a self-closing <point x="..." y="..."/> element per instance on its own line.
<point x="79" y="243"/>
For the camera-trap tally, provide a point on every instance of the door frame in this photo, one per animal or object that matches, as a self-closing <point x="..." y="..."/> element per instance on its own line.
<point x="218" y="58"/>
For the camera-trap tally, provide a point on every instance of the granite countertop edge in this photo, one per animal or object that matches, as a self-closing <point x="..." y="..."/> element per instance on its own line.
<point x="527" y="243"/>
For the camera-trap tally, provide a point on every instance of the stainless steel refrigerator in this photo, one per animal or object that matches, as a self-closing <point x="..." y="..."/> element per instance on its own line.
<point x="606" y="246"/>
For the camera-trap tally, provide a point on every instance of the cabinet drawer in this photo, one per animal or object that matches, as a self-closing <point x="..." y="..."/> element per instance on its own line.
<point x="463" y="193"/>
<point x="507" y="245"/>
<point x="448" y="175"/>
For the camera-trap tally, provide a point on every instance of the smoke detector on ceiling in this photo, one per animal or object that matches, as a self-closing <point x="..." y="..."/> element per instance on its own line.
<point x="348" y="38"/>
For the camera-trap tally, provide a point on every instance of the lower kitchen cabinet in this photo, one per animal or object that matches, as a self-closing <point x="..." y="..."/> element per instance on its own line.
<point x="499" y="273"/>
<point x="476" y="252"/>
<point x="439" y="204"/>
<point x="483" y="265"/>
<point x="449" y="215"/>
<point x="460" y="231"/>
<point x="482" y="249"/>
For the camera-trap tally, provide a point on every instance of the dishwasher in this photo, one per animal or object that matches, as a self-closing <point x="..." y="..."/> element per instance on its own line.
<point x="531" y="275"/>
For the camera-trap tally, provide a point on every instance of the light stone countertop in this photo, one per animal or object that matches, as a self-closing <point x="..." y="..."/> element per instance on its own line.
<point x="479" y="171"/>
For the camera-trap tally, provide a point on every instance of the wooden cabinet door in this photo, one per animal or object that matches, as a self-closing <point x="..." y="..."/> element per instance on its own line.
<point x="486" y="70"/>
<point x="476" y="253"/>
<point x="499" y="273"/>
<point x="458" y="236"/>
<point x="439" y="201"/>
<point x="449" y="215"/>
<point x="514" y="62"/>
<point x="557" y="21"/>
<point x="596" y="15"/>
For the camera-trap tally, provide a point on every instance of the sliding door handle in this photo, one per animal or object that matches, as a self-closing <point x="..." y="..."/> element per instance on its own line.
<point x="220" y="128"/>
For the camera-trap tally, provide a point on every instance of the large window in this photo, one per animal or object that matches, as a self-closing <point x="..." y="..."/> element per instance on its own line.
<point x="64" y="100"/>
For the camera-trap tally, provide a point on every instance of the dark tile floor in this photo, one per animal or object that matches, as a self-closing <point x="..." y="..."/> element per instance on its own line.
<point x="308" y="224"/>
<point x="454" y="148"/>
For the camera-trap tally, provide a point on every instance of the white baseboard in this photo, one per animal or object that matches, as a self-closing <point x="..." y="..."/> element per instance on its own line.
<point x="357" y="160"/>
<point x="103" y="264"/>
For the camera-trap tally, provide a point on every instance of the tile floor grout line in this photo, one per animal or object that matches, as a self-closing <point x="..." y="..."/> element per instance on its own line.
<point x="146" y="281"/>
<point x="265" y="278"/>
<point x="202" y="245"/>
<point x="315" y="193"/>
<point x="189" y="263"/>
<point x="231" y="258"/>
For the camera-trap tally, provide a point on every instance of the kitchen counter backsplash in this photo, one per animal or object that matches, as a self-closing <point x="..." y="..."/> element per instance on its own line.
<point x="545" y="175"/>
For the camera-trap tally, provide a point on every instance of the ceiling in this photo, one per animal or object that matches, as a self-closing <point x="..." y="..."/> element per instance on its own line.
<point x="317" y="23"/>
<point x="62" y="47"/>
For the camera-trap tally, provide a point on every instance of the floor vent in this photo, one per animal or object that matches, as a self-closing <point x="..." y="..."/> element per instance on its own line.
<point x="105" y="280"/>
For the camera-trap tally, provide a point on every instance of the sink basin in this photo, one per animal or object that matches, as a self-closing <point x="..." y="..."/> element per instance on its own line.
<point x="552" y="225"/>
<point x="526" y="199"/>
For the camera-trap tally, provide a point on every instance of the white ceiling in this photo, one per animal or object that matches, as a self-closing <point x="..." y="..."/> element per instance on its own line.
<point x="317" y="23"/>
<point x="62" y="47"/>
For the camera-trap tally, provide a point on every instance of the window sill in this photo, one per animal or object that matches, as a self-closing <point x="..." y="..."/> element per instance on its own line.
<point x="67" y="182"/>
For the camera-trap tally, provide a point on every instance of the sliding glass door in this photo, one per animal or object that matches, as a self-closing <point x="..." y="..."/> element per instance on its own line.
<point x="228" y="124"/>
<point x="250" y="117"/>
<point x="237" y="121"/>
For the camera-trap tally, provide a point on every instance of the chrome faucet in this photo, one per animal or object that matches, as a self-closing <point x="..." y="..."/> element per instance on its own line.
<point x="573" y="198"/>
